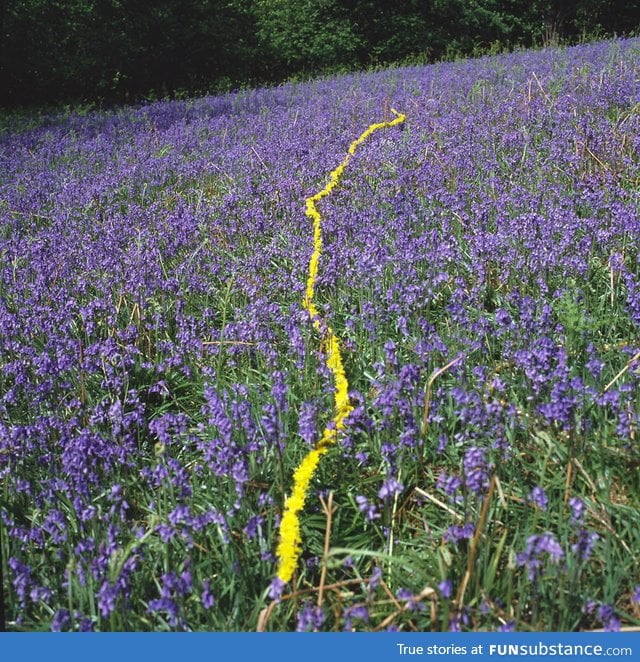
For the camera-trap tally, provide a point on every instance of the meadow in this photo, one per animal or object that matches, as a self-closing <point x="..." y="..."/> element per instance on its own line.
<point x="162" y="378"/>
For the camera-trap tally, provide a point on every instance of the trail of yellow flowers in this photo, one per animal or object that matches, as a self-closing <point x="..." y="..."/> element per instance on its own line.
<point x="290" y="544"/>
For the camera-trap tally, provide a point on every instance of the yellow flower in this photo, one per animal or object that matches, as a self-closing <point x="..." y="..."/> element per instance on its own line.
<point x="290" y="544"/>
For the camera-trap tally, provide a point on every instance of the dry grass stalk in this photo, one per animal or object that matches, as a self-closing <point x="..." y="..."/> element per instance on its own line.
<point x="474" y="544"/>
<point x="328" y="511"/>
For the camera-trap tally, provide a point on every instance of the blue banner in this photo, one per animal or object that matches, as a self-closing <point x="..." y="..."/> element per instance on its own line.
<point x="382" y="647"/>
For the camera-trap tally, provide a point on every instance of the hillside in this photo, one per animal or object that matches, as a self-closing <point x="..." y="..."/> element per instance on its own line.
<point x="161" y="378"/>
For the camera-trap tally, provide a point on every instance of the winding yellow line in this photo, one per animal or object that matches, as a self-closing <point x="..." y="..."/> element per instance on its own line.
<point x="290" y="544"/>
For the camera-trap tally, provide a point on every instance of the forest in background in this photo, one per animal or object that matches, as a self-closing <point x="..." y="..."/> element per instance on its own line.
<point x="54" y="51"/>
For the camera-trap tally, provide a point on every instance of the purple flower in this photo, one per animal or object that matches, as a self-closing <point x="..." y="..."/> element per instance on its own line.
<point x="356" y="612"/>
<point x="503" y="318"/>
<point x="369" y="509"/>
<point x="55" y="526"/>
<point x="22" y="579"/>
<point x="537" y="546"/>
<point x="174" y="587"/>
<point x="445" y="587"/>
<point x="374" y="580"/>
<point x="583" y="547"/>
<point x="253" y="525"/>
<point x="607" y="615"/>
<point x="306" y="422"/>
<point x="635" y="596"/>
<point x="276" y="588"/>
<point x="476" y="470"/>
<point x="577" y="510"/>
<point x="458" y="532"/>
<point x="279" y="390"/>
<point x="86" y="625"/>
<point x="166" y="606"/>
<point x="605" y="612"/>
<point x="538" y="497"/>
<point x="310" y="617"/>
<point x="404" y="594"/>
<point x="407" y="595"/>
<point x="166" y="532"/>
<point x="612" y="624"/>
<point x="390" y="488"/>
<point x="207" y="598"/>
<point x="61" y="621"/>
<point x="107" y="597"/>
<point x="455" y="623"/>
<point x="40" y="593"/>
<point x="269" y="421"/>
<point x="449" y="484"/>
<point x="390" y="353"/>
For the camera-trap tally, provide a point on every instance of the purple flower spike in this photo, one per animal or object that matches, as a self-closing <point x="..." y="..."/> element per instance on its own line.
<point x="445" y="587"/>
<point x="537" y="546"/>
<point x="390" y="487"/>
<point x="369" y="509"/>
<point x="311" y="617"/>
<point x="577" y="510"/>
<point x="276" y="589"/>
<point x="538" y="497"/>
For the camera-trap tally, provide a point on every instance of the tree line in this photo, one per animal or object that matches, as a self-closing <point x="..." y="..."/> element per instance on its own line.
<point x="55" y="51"/>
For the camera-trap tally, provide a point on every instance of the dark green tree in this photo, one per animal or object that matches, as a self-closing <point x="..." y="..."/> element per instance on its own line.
<point x="112" y="50"/>
<point x="305" y="36"/>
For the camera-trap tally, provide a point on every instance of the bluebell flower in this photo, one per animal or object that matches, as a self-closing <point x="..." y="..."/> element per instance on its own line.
<point x="445" y="587"/>
<point x="538" y="497"/>
<point x="310" y="617"/>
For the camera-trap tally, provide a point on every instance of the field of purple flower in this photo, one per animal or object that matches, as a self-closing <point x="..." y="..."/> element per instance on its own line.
<point x="161" y="379"/>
